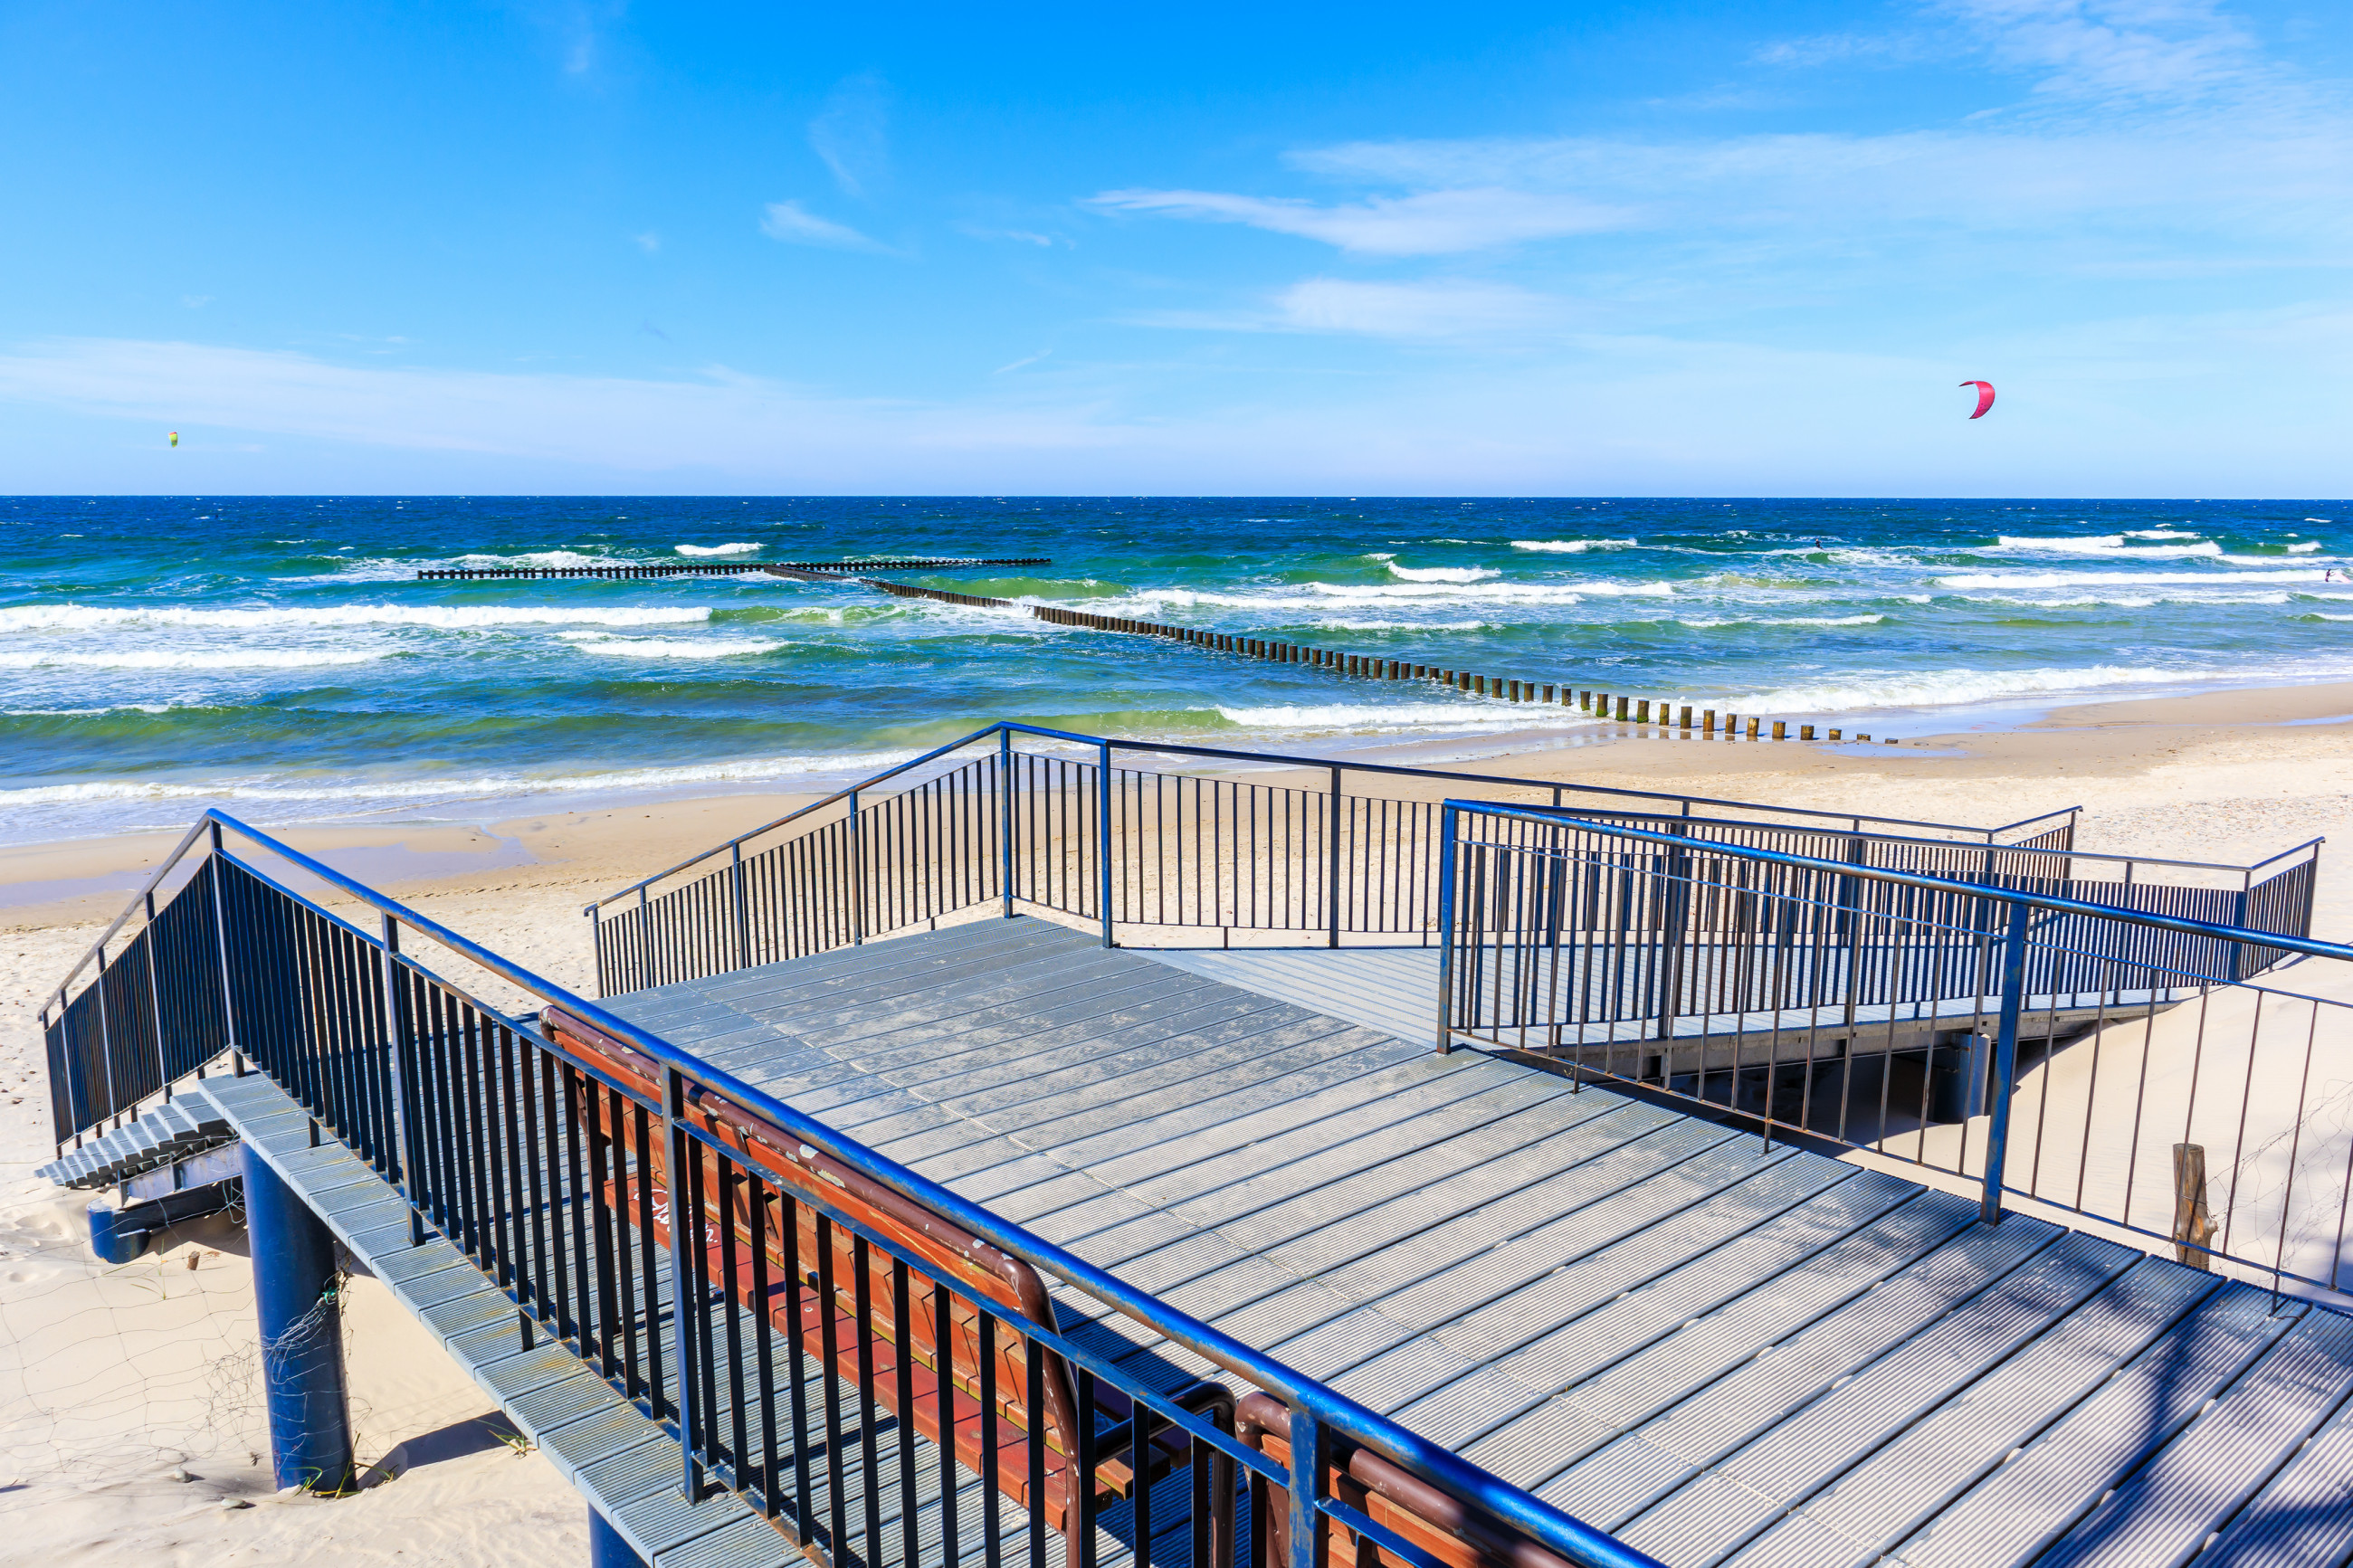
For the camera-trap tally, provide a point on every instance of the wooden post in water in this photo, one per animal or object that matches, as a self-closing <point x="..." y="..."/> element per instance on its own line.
<point x="1781" y="729"/>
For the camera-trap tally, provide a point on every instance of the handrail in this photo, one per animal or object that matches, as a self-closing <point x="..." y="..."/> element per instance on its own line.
<point x="1979" y="848"/>
<point x="1539" y="1521"/>
<point x="138" y="901"/>
<point x="1912" y="879"/>
<point x="1010" y="726"/>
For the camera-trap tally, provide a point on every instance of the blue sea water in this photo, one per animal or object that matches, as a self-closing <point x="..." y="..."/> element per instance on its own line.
<point x="277" y="654"/>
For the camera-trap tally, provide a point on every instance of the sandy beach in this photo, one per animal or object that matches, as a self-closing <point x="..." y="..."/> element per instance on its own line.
<point x="117" y="1383"/>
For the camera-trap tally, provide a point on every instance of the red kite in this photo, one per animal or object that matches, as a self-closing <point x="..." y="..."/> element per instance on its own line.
<point x="1985" y="396"/>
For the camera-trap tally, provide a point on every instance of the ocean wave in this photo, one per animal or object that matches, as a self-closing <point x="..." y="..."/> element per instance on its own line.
<point x="2324" y="615"/>
<point x="1379" y="718"/>
<point x="438" y="618"/>
<point x="1572" y="546"/>
<point x="1145" y="602"/>
<point x="1346" y="626"/>
<point x="2307" y="547"/>
<point x="1999" y="581"/>
<point x="186" y="658"/>
<point x="740" y="548"/>
<point x="1442" y="573"/>
<point x="1787" y="621"/>
<point x="674" y="648"/>
<point x="2139" y="601"/>
<point x="2103" y="544"/>
<point x="538" y="558"/>
<point x="1948" y="688"/>
<point x="425" y="791"/>
<point x="2158" y="533"/>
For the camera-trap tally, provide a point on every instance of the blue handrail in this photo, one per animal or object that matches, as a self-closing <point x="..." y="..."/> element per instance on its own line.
<point x="1578" y="1541"/>
<point x="1014" y="727"/>
<point x="1910" y="878"/>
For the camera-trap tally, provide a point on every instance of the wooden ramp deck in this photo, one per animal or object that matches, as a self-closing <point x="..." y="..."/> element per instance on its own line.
<point x="1721" y="1350"/>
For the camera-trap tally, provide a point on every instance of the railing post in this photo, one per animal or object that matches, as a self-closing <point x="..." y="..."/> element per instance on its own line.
<point x="163" y="1061"/>
<point x="2005" y="1058"/>
<point x="1332" y="891"/>
<point x="1308" y="1534"/>
<point x="596" y="946"/>
<point x="105" y="1034"/>
<point x="857" y="876"/>
<point x="742" y="924"/>
<point x="684" y="1337"/>
<point x="1671" y="932"/>
<point x="1446" y="919"/>
<point x="397" y="1067"/>
<point x="1005" y="814"/>
<point x="1103" y="841"/>
<point x="220" y="950"/>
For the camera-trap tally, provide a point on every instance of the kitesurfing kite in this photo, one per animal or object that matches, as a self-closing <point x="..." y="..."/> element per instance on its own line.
<point x="175" y="438"/>
<point x="1985" y="396"/>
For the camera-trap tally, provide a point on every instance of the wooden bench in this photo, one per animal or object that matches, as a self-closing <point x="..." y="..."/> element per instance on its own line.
<point x="864" y="1343"/>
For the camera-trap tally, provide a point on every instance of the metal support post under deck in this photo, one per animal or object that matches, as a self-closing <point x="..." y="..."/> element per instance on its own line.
<point x="2004" y="1060"/>
<point x="295" y="1287"/>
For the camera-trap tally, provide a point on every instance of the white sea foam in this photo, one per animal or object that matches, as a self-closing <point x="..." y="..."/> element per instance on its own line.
<point x="1347" y="626"/>
<point x="2109" y="545"/>
<point x="548" y="558"/>
<point x="1388" y="717"/>
<point x="2307" y="547"/>
<point x="740" y="548"/>
<point x="2320" y="519"/>
<point x="186" y="659"/>
<point x="438" y="617"/>
<point x="1442" y="573"/>
<point x="1787" y="621"/>
<point x="1324" y="597"/>
<point x="315" y="792"/>
<point x="1572" y="546"/>
<point x="2158" y="533"/>
<point x="2020" y="580"/>
<point x="1945" y="687"/>
<point x="675" y="647"/>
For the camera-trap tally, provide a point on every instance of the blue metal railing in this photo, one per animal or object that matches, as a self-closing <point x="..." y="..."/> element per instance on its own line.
<point x="544" y="1165"/>
<point x="1084" y="829"/>
<point x="1920" y="1016"/>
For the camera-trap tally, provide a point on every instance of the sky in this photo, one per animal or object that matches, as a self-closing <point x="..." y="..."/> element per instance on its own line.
<point x="1662" y="248"/>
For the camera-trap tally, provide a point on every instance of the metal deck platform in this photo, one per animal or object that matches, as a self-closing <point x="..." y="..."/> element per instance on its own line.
<point x="1722" y="1351"/>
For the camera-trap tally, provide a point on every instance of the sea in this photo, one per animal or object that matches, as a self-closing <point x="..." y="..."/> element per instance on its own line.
<point x="277" y="657"/>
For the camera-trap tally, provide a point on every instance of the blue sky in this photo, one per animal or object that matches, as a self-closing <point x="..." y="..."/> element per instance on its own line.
<point x="1598" y="249"/>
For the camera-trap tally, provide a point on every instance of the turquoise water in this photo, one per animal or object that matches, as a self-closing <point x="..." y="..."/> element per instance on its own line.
<point x="276" y="655"/>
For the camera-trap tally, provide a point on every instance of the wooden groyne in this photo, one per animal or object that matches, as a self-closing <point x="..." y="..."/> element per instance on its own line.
<point x="1670" y="717"/>
<point x="716" y="568"/>
<point x="1680" y="718"/>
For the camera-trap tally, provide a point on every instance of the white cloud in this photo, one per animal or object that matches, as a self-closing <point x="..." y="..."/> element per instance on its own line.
<point x="1440" y="309"/>
<point x="2116" y="48"/>
<point x="1428" y="223"/>
<point x="795" y="224"/>
<point x="649" y="242"/>
<point x="2251" y="404"/>
<point x="852" y="134"/>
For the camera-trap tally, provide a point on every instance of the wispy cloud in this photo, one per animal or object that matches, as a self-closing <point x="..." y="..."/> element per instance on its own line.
<point x="1452" y="312"/>
<point x="1622" y="414"/>
<point x="2116" y="48"/>
<point x="852" y="134"/>
<point x="795" y="224"/>
<point x="649" y="242"/>
<point x="1427" y="222"/>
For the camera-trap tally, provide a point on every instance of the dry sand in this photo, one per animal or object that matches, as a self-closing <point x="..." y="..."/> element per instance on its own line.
<point x="114" y="1381"/>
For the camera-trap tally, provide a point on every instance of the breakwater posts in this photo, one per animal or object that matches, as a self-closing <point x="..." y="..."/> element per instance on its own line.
<point x="1633" y="710"/>
<point x="719" y="568"/>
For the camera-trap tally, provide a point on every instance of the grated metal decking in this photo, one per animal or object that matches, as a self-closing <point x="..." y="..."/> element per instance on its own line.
<point x="1726" y="1353"/>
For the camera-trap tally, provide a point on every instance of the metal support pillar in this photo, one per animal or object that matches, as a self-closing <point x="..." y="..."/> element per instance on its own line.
<point x="295" y="1287"/>
<point x="2004" y="1060"/>
<point x="608" y="1548"/>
